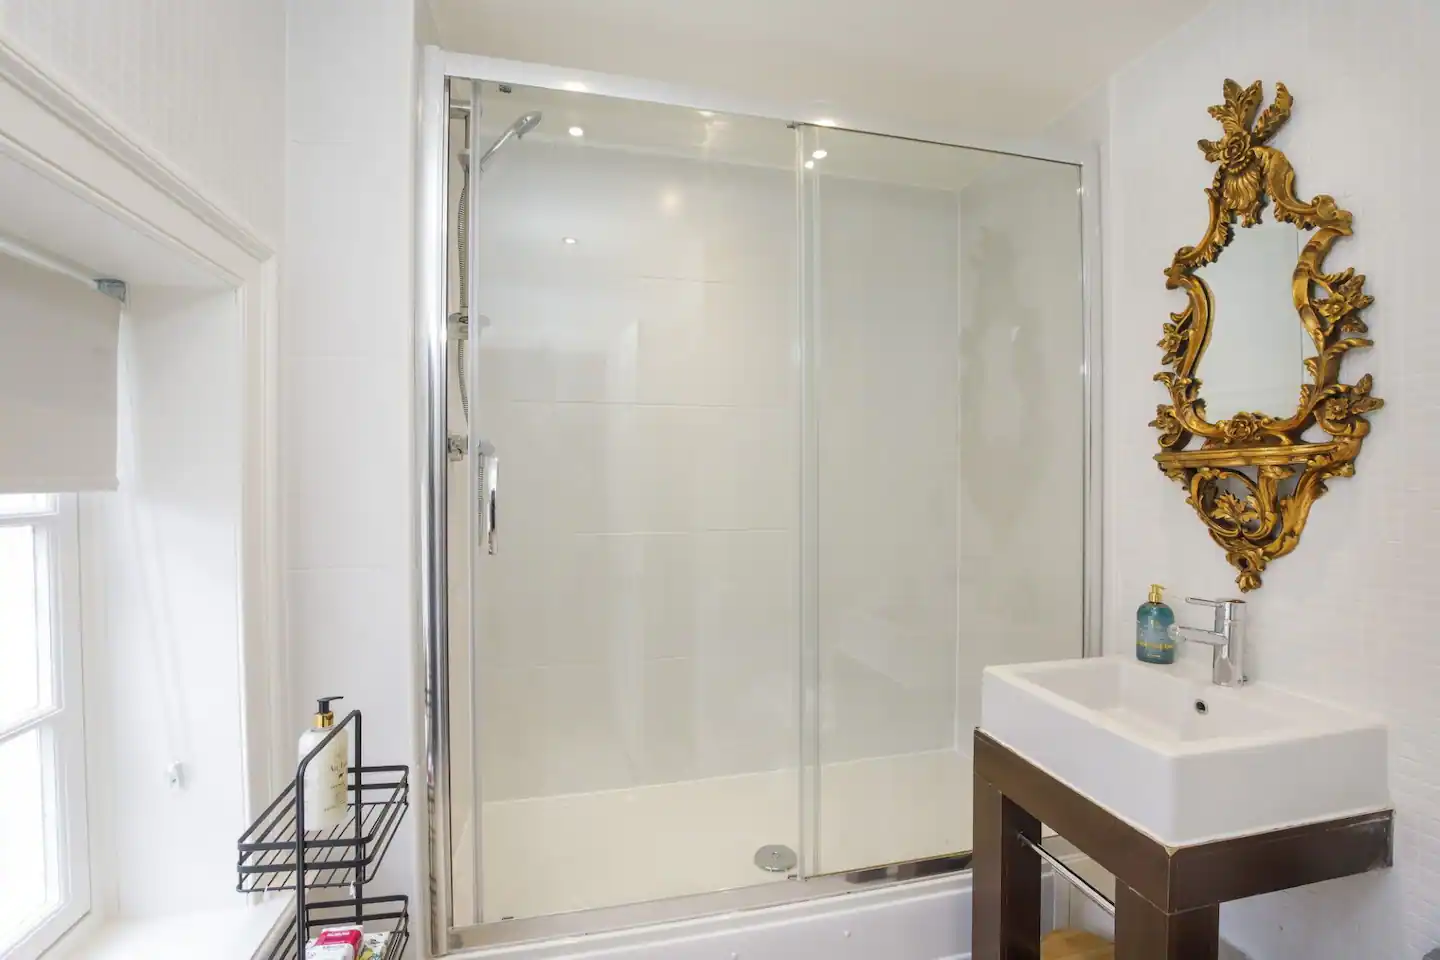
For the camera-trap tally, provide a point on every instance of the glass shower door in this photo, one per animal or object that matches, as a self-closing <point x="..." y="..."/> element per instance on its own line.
<point x="633" y="688"/>
<point x="945" y="441"/>
<point x="757" y="433"/>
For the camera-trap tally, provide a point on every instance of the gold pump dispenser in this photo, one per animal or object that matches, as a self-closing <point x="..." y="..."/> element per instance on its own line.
<point x="325" y="717"/>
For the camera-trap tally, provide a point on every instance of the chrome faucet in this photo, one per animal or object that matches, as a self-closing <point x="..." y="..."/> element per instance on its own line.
<point x="1227" y="640"/>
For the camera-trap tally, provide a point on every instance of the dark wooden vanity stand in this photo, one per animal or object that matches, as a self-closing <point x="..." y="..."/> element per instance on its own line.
<point x="1167" y="899"/>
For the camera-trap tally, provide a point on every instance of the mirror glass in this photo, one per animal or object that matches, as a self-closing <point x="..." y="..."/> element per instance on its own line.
<point x="1255" y="359"/>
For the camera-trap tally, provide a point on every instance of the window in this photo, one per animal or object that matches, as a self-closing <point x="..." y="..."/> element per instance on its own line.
<point x="44" y="871"/>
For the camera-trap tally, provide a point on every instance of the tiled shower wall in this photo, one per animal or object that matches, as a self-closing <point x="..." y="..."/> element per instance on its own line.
<point x="887" y="406"/>
<point x="642" y="388"/>
<point x="638" y="624"/>
<point x="1022" y="424"/>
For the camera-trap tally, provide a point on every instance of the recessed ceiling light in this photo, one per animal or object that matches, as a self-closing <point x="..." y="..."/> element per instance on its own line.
<point x="825" y="122"/>
<point x="809" y="164"/>
<point x="575" y="86"/>
<point x="569" y="241"/>
<point x="820" y="154"/>
<point x="707" y="113"/>
<point x="577" y="131"/>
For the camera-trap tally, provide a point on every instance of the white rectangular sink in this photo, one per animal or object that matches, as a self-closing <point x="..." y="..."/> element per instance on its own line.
<point x="1184" y="760"/>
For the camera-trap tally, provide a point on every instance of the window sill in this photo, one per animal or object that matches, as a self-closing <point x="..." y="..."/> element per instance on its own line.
<point x="232" y="934"/>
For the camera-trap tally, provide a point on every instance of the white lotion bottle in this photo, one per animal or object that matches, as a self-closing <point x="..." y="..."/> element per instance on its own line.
<point x="326" y="786"/>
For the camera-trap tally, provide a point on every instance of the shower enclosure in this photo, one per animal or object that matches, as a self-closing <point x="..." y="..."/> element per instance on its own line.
<point x="748" y="443"/>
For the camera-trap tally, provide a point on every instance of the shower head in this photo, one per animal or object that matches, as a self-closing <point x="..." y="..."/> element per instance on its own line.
<point x="515" y="131"/>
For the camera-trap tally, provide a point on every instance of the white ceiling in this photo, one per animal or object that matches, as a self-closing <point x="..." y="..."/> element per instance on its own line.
<point x="996" y="67"/>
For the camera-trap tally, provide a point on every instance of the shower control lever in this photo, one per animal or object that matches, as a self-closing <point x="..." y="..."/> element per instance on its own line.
<point x="487" y="482"/>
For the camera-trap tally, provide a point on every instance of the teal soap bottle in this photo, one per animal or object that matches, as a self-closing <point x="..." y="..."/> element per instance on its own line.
<point x="1152" y="629"/>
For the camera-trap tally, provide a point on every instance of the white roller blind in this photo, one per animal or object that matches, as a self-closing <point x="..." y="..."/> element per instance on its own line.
<point x="58" y="342"/>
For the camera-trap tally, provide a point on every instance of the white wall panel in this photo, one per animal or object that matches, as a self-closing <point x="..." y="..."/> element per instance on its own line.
<point x="1347" y="615"/>
<point x="346" y="378"/>
<point x="202" y="84"/>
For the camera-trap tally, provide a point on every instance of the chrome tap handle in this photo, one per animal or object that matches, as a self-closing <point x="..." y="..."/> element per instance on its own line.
<point x="1226" y="611"/>
<point x="1227" y="640"/>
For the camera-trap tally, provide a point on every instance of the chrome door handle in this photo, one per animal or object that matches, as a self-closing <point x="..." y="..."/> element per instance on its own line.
<point x="487" y="466"/>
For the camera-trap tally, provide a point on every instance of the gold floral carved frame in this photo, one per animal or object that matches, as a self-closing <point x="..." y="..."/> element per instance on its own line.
<point x="1254" y="477"/>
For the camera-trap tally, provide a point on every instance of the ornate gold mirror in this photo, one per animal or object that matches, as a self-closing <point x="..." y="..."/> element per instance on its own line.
<point x="1253" y="476"/>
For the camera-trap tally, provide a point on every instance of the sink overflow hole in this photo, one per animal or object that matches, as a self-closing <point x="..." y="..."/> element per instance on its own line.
<point x="1200" y="707"/>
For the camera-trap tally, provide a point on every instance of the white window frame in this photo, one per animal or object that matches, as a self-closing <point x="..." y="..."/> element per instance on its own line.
<point x="62" y="723"/>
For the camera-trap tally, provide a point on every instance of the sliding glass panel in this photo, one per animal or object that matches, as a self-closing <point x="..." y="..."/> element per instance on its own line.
<point x="629" y="690"/>
<point x="945" y="321"/>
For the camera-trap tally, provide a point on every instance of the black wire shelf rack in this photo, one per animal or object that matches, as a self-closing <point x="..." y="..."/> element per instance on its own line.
<point x="337" y="857"/>
<point x="389" y="915"/>
<point x="275" y="854"/>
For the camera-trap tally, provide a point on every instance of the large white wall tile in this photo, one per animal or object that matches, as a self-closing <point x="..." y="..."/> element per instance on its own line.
<point x="641" y="592"/>
<point x="748" y="220"/>
<point x="559" y="339"/>
<point x="332" y="254"/>
<point x="1022" y="441"/>
<point x="349" y="606"/>
<point x="717" y="343"/>
<point x="641" y="388"/>
<point x="335" y="414"/>
<point x="347" y="374"/>
<point x="345" y="59"/>
<point x="747" y="704"/>
<point x="552" y="730"/>
<point x="886" y="398"/>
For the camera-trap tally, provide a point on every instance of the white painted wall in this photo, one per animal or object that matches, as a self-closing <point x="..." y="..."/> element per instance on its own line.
<point x="200" y="84"/>
<point x="1345" y="616"/>
<point x="162" y="614"/>
<point x="347" y="381"/>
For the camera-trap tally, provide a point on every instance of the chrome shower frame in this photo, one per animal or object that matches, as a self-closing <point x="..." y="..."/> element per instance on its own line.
<point x="432" y="458"/>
